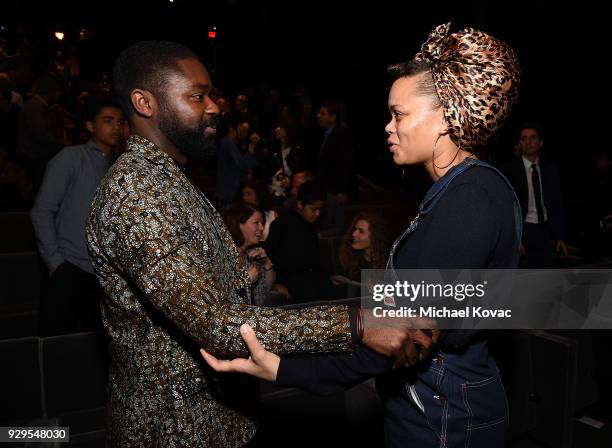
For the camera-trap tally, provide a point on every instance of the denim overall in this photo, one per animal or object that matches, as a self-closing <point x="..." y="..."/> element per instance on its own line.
<point x="458" y="400"/>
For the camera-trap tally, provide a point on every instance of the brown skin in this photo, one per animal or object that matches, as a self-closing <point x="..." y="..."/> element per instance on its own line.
<point x="106" y="129"/>
<point x="325" y="118"/>
<point x="188" y="98"/>
<point x="264" y="364"/>
<point x="409" y="340"/>
<point x="310" y="212"/>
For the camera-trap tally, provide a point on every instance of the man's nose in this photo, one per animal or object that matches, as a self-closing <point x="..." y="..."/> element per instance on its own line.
<point x="211" y="107"/>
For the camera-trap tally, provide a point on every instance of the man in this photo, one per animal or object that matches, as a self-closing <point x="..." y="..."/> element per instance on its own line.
<point x="70" y="303"/>
<point x="293" y="245"/>
<point x="236" y="157"/>
<point x="538" y="187"/>
<point x="332" y="222"/>
<point x="335" y="167"/>
<point x="172" y="276"/>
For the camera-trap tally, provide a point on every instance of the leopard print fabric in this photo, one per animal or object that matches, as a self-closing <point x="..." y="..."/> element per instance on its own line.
<point x="477" y="80"/>
<point x="174" y="283"/>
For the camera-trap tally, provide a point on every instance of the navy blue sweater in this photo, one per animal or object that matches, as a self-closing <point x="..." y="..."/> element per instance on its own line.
<point x="471" y="227"/>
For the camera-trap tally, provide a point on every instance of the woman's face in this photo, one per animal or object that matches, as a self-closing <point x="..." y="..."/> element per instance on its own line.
<point x="280" y="133"/>
<point x="252" y="230"/>
<point x="249" y="196"/>
<point x="361" y="235"/>
<point x="414" y="126"/>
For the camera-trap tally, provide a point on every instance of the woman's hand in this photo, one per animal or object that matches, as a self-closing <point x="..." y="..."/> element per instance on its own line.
<point x="261" y="364"/>
<point x="259" y="254"/>
<point x="253" y="273"/>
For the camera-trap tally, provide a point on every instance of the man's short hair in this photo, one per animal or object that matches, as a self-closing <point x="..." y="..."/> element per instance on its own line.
<point x="95" y="105"/>
<point x="334" y="108"/>
<point x="530" y="125"/>
<point x="146" y="65"/>
<point x="310" y="192"/>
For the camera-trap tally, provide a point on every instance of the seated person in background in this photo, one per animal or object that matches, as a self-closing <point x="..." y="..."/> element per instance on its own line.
<point x="365" y="246"/>
<point x="245" y="224"/>
<point x="286" y="158"/>
<point x="236" y="158"/>
<point x="293" y="245"/>
<point x="332" y="222"/>
<point x="70" y="302"/>
<point x="254" y="193"/>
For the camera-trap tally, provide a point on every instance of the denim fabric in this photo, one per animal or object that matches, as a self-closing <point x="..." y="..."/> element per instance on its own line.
<point x="458" y="400"/>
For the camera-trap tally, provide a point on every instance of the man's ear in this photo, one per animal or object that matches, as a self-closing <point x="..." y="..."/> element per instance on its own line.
<point x="144" y="102"/>
<point x="90" y="127"/>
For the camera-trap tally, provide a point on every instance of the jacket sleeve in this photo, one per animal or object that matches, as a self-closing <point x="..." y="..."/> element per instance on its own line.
<point x="167" y="260"/>
<point x="58" y="176"/>
<point x="324" y="375"/>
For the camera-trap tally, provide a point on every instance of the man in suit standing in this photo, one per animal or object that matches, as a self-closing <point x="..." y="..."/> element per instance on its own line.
<point x="538" y="187"/>
<point x="335" y="167"/>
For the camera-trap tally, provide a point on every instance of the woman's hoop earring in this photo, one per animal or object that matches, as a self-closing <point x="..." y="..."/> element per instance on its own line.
<point x="433" y="156"/>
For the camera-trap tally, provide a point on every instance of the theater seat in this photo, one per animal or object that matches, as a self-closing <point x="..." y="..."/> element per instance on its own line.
<point x="17" y="232"/>
<point x="75" y="376"/>
<point x="20" y="385"/>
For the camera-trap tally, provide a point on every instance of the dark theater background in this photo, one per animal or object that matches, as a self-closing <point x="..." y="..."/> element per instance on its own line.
<point x="310" y="52"/>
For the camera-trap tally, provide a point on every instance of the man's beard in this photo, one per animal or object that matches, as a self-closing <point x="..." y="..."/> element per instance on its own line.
<point x="191" y="142"/>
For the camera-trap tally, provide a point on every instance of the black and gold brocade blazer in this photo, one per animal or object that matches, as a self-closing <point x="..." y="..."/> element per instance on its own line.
<point x="174" y="283"/>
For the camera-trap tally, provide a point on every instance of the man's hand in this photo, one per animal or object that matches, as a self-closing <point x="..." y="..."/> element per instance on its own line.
<point x="261" y="364"/>
<point x="409" y="340"/>
<point x="407" y="346"/>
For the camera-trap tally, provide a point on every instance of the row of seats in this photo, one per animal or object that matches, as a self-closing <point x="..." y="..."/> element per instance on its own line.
<point x="55" y="381"/>
<point x="17" y="233"/>
<point x="60" y="381"/>
<point x="21" y="276"/>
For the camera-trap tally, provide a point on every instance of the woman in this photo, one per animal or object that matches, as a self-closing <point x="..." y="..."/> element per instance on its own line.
<point x="245" y="224"/>
<point x="365" y="245"/>
<point x="286" y="159"/>
<point x="445" y="104"/>
<point x="254" y="193"/>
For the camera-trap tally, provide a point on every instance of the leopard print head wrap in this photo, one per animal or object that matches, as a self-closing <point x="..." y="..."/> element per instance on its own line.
<point x="476" y="77"/>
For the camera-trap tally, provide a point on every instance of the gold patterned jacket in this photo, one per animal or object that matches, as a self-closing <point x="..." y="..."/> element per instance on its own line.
<point x="174" y="283"/>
